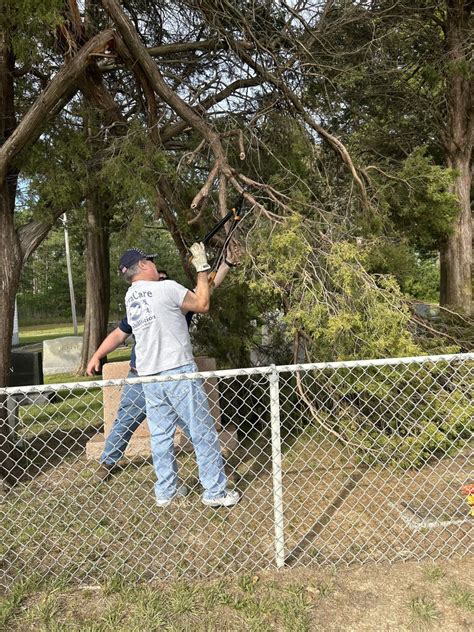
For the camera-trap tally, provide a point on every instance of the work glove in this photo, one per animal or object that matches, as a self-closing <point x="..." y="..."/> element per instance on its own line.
<point x="199" y="259"/>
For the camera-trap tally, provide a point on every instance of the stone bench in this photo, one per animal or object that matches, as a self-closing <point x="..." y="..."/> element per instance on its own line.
<point x="139" y="446"/>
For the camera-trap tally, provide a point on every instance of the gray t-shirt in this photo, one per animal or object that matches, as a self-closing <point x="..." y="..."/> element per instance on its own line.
<point x="159" y="326"/>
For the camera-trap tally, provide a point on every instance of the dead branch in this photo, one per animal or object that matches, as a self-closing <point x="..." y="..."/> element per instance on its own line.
<point x="173" y="130"/>
<point x="223" y="196"/>
<point x="204" y="191"/>
<point x="191" y="157"/>
<point x="240" y="140"/>
<point x="253" y="202"/>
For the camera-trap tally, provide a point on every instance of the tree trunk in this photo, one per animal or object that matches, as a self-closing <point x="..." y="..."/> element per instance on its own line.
<point x="10" y="268"/>
<point x="456" y="253"/>
<point x="97" y="277"/>
<point x="10" y="258"/>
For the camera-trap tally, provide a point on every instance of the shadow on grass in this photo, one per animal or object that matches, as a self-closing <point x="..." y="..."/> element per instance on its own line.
<point x="346" y="488"/>
<point x="48" y="450"/>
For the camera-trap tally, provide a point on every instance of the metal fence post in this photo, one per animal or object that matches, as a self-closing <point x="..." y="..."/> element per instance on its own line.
<point x="273" y="379"/>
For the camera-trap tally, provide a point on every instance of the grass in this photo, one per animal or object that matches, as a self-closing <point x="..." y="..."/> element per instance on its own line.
<point x="71" y="410"/>
<point x="461" y="597"/>
<point x="325" y="588"/>
<point x="222" y="605"/>
<point x="424" y="612"/>
<point x="10" y="605"/>
<point x="32" y="334"/>
<point x="287" y="601"/>
<point x="46" y="610"/>
<point x="434" y="573"/>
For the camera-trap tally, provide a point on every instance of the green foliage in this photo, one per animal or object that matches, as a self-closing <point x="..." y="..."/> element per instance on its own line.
<point x="404" y="415"/>
<point x="329" y="296"/>
<point x="341" y="309"/>
<point x="28" y="21"/>
<point x="229" y="331"/>
<point x="421" y="203"/>
<point x="54" y="172"/>
<point x="418" y="277"/>
<point x="423" y="281"/>
<point x="287" y="155"/>
<point x="131" y="169"/>
<point x="370" y="318"/>
<point x="62" y="170"/>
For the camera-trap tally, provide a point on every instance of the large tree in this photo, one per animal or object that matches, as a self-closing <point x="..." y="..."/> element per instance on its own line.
<point x="394" y="79"/>
<point x="34" y="86"/>
<point x="456" y="252"/>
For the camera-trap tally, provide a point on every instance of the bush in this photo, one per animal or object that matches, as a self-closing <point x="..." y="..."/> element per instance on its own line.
<point x="402" y="415"/>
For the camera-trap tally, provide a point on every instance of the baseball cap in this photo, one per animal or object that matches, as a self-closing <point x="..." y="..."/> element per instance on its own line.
<point x="132" y="256"/>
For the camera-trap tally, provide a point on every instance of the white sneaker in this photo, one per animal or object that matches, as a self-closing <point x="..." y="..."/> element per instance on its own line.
<point x="181" y="492"/>
<point x="228" y="499"/>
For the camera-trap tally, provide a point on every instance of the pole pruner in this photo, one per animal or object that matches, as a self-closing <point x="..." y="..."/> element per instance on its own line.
<point x="234" y="216"/>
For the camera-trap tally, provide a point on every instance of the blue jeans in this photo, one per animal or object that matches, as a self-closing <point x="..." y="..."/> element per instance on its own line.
<point x="131" y="413"/>
<point x="184" y="404"/>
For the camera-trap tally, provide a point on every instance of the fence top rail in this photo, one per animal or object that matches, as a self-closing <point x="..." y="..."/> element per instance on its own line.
<point x="261" y="370"/>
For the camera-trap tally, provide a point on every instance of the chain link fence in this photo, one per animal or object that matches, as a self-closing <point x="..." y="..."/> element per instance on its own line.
<point x="337" y="463"/>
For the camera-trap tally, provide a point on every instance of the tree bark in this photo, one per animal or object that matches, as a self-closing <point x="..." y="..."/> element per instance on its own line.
<point x="97" y="276"/>
<point x="10" y="269"/>
<point x="456" y="252"/>
<point x="10" y="257"/>
<point x="64" y="83"/>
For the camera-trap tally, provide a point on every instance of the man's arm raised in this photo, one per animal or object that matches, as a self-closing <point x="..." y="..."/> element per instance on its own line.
<point x="199" y="300"/>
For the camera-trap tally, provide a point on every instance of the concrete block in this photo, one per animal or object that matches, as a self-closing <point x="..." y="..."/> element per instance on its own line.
<point x="139" y="445"/>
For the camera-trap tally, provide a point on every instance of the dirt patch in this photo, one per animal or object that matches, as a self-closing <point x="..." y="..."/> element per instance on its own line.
<point x="385" y="597"/>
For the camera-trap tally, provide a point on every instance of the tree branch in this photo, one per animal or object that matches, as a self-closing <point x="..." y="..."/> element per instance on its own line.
<point x="334" y="142"/>
<point x="143" y="58"/>
<point x="64" y="84"/>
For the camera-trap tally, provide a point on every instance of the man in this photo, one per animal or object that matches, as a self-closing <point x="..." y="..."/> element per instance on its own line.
<point x="132" y="408"/>
<point x="156" y="313"/>
<point x="131" y="412"/>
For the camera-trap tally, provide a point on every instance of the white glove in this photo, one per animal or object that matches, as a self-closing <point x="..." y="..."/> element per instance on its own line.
<point x="199" y="259"/>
